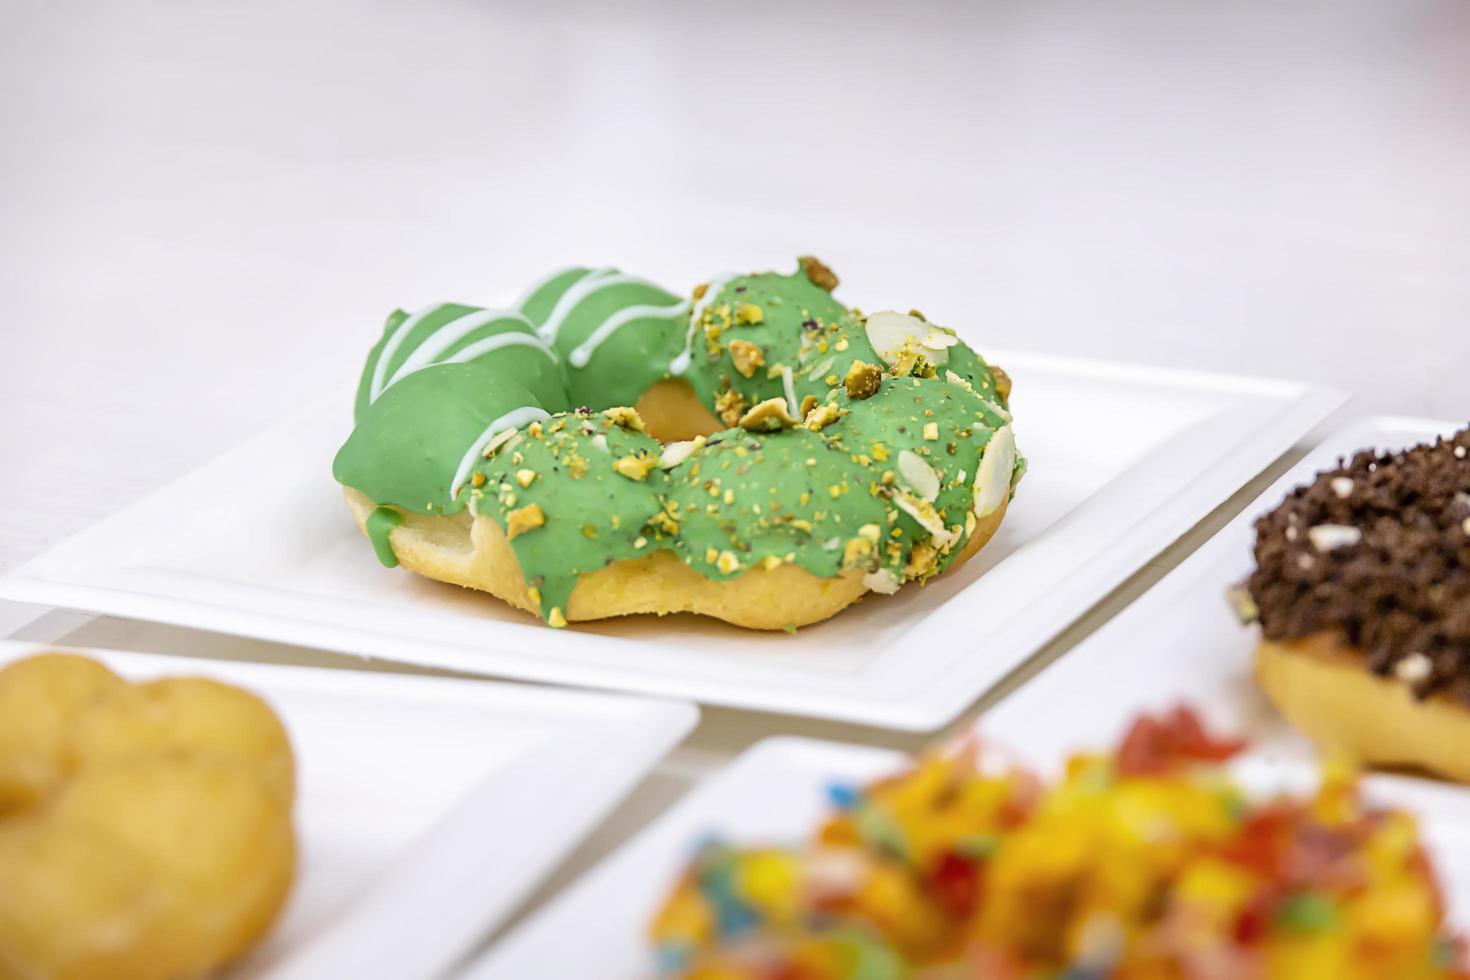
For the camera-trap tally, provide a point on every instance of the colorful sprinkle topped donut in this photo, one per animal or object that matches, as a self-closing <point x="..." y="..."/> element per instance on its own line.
<point x="1148" y="861"/>
<point x="755" y="451"/>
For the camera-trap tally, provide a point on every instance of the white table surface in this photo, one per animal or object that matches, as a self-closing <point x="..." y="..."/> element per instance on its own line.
<point x="207" y="208"/>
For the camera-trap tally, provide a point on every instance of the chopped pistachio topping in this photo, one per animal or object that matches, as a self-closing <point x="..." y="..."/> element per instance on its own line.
<point x="862" y="380"/>
<point x="625" y="417"/>
<point x="527" y="518"/>
<point x="770" y="415"/>
<point x="747" y="314"/>
<point x="746" y="357"/>
<point x="635" y="467"/>
<point x="821" y="276"/>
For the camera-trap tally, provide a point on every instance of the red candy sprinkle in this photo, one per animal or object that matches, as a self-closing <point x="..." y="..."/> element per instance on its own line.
<point x="955" y="883"/>
<point x="1162" y="745"/>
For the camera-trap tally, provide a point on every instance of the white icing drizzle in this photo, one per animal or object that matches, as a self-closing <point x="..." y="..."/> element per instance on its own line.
<point x="584" y="287"/>
<point x="540" y="284"/>
<point x="452" y="332"/>
<point x="790" y="390"/>
<point x="513" y="419"/>
<point x="681" y="363"/>
<point x="391" y="347"/>
<point x="584" y="351"/>
<point x="508" y="339"/>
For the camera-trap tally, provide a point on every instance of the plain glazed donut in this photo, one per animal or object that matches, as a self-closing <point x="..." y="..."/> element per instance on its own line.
<point x="757" y="452"/>
<point x="145" y="829"/>
<point x="1146" y="861"/>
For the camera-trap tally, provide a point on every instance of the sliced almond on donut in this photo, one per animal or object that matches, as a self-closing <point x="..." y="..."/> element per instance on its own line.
<point x="821" y="368"/>
<point x="920" y="477"/>
<point x="500" y="439"/>
<point x="955" y="379"/>
<point x="993" y="478"/>
<point x="990" y="406"/>
<point x="882" y="581"/>
<point x="676" y="452"/>
<point x="938" y="340"/>
<point x="891" y="333"/>
<point x="928" y="518"/>
<point x="993" y="407"/>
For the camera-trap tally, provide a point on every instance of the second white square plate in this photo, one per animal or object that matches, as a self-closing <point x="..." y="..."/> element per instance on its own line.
<point x="775" y="794"/>
<point x="1122" y="461"/>
<point x="1179" y="642"/>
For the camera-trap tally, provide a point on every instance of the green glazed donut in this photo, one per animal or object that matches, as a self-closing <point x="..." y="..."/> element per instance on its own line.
<point x="834" y="453"/>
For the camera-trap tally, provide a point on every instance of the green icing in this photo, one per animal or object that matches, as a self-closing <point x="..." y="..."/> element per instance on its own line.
<point x="409" y="445"/>
<point x="827" y="354"/>
<point x="615" y="334"/>
<point x="885" y="485"/>
<point x="898" y="418"/>
<point x="536" y="305"/>
<point x="791" y="310"/>
<point x="968" y="365"/>
<point x="828" y="500"/>
<point x="593" y="515"/>
<point x="452" y="333"/>
<point x="379" y="525"/>
<point x="751" y="498"/>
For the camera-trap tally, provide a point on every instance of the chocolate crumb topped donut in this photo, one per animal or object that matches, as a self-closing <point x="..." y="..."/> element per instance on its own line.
<point x="1378" y="549"/>
<point x="1362" y="592"/>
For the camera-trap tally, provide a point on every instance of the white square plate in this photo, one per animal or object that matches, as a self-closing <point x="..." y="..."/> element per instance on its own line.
<point x="1181" y="641"/>
<point x="776" y="793"/>
<point x="1123" y="461"/>
<point x="426" y="808"/>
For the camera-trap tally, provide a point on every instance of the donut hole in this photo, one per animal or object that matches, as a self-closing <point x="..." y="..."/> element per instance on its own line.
<point x="672" y="412"/>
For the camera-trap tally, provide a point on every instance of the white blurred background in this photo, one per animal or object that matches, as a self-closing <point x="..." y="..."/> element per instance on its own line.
<point x="207" y="208"/>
